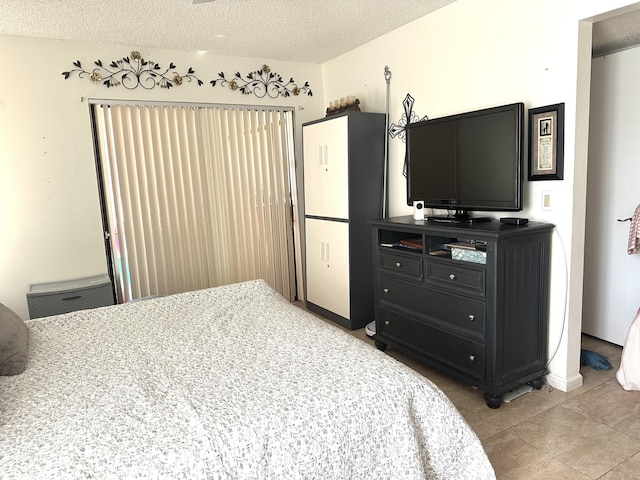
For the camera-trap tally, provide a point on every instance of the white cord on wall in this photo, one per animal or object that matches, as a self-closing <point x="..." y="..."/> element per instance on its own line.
<point x="566" y="296"/>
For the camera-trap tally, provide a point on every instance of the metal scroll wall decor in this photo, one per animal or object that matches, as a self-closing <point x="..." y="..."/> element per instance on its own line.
<point x="132" y="72"/>
<point x="262" y="82"/>
<point x="399" y="129"/>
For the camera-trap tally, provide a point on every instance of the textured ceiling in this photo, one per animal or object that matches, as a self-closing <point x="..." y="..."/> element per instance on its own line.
<point x="294" y="30"/>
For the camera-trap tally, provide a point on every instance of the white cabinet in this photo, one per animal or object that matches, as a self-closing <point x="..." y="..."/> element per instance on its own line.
<point x="328" y="264"/>
<point x="326" y="163"/>
<point x="343" y="164"/>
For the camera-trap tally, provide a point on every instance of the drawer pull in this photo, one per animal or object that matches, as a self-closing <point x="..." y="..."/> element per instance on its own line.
<point x="386" y="322"/>
<point x="472" y="358"/>
<point x="385" y="290"/>
<point x="472" y="318"/>
<point x="398" y="264"/>
<point x="72" y="298"/>
<point x="452" y="276"/>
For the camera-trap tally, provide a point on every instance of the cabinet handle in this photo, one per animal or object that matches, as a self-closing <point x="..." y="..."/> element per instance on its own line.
<point x="386" y="322"/>
<point x="323" y="157"/>
<point x="324" y="252"/>
<point x="452" y="276"/>
<point x="398" y="264"/>
<point x="472" y="317"/>
<point x="385" y="290"/>
<point x="472" y="358"/>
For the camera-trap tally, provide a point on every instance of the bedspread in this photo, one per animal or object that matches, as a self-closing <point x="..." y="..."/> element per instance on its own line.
<point x="232" y="382"/>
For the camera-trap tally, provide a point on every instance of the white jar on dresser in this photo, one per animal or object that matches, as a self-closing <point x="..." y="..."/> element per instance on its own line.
<point x="343" y="168"/>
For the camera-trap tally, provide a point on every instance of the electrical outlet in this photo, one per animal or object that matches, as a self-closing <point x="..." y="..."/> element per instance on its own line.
<point x="547" y="204"/>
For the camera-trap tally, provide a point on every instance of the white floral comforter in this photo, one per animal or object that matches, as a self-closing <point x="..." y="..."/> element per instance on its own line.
<point x="226" y="383"/>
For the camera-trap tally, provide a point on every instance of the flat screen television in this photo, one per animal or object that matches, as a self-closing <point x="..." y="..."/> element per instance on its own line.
<point x="466" y="162"/>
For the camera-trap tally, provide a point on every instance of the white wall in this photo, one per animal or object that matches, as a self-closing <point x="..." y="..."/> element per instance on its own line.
<point x="50" y="225"/>
<point x="471" y="55"/>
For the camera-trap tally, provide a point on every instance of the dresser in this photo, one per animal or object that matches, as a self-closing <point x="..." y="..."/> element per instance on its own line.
<point x="343" y="165"/>
<point x="468" y="299"/>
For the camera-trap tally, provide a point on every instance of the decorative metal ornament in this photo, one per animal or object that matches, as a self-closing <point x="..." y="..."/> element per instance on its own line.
<point x="409" y="116"/>
<point x="262" y="82"/>
<point x="399" y="129"/>
<point x="132" y="72"/>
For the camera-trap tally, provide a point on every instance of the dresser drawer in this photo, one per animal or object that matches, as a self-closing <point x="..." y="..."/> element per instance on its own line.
<point x="455" y="277"/>
<point x="461" y="353"/>
<point x="408" y="266"/>
<point x="447" y="309"/>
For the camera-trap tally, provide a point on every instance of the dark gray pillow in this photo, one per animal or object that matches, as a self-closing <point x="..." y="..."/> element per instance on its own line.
<point x="14" y="342"/>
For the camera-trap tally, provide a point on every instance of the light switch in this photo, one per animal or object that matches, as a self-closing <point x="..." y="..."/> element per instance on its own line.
<point x="546" y="200"/>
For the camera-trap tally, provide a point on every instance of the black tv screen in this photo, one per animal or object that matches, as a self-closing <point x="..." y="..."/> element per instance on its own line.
<point x="468" y="161"/>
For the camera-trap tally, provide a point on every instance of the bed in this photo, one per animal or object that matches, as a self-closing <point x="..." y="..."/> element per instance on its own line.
<point x="232" y="382"/>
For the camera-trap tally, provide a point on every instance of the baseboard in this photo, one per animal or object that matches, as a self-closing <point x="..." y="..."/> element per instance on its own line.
<point x="564" y="384"/>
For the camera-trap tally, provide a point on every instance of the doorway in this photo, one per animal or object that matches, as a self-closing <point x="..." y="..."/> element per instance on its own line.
<point x="612" y="276"/>
<point x="610" y="297"/>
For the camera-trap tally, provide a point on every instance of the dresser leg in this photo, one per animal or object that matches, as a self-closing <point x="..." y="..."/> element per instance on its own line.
<point x="381" y="346"/>
<point x="493" y="401"/>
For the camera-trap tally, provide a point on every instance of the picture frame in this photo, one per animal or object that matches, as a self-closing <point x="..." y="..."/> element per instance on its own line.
<point x="546" y="142"/>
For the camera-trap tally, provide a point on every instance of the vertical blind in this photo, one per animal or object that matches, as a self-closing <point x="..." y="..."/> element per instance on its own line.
<point x="196" y="196"/>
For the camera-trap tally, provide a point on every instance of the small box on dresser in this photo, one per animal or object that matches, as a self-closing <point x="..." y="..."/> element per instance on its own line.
<point x="467" y="255"/>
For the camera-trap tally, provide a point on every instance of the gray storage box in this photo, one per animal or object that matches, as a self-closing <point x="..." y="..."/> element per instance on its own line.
<point x="45" y="299"/>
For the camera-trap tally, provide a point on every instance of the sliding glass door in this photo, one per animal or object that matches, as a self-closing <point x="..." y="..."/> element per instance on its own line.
<point x="195" y="196"/>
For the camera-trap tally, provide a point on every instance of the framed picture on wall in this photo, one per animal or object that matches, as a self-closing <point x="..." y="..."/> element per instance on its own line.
<point x="546" y="142"/>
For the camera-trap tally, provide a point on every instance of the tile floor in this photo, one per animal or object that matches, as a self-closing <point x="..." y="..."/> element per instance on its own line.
<point x="592" y="432"/>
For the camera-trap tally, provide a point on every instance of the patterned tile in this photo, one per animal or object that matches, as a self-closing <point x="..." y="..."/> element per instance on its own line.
<point x="627" y="470"/>
<point x="483" y="428"/>
<point x="610" y="405"/>
<point x="508" y="415"/>
<point x="514" y="459"/>
<point x="585" y="444"/>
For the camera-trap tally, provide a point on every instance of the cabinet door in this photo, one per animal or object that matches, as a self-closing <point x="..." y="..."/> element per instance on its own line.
<point x="328" y="265"/>
<point x="326" y="168"/>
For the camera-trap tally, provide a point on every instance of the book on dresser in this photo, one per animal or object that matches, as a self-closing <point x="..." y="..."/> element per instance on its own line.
<point x="412" y="242"/>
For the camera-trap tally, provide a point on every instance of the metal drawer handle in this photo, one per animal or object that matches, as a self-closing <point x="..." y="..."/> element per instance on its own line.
<point x="472" y="358"/>
<point x="398" y="264"/>
<point x="386" y="322"/>
<point x="472" y="318"/>
<point x="452" y="276"/>
<point x="385" y="290"/>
